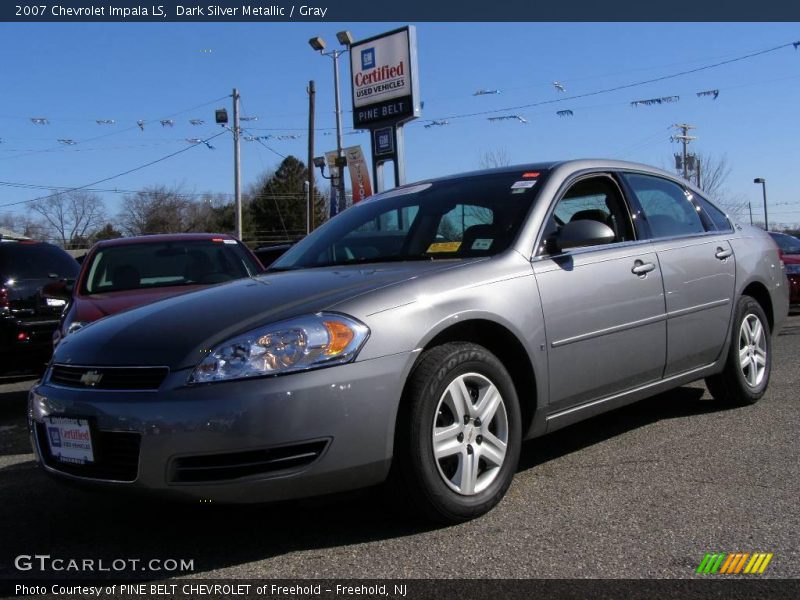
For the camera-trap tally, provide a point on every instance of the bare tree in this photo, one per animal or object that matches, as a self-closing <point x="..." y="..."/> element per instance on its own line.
<point x="492" y="159"/>
<point x="12" y="223"/>
<point x="69" y="216"/>
<point x="714" y="172"/>
<point x="157" y="209"/>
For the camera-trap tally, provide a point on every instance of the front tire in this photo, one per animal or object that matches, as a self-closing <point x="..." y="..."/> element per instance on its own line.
<point x="459" y="433"/>
<point x="749" y="362"/>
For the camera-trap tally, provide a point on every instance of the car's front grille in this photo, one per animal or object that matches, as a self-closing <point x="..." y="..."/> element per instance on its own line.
<point x="116" y="455"/>
<point x="108" y="378"/>
<point x="233" y="465"/>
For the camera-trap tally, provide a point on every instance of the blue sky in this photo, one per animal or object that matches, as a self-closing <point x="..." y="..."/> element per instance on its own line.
<point x="74" y="74"/>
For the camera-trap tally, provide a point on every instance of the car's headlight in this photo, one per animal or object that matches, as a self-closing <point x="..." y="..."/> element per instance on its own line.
<point x="308" y="342"/>
<point x="793" y="269"/>
<point x="74" y="326"/>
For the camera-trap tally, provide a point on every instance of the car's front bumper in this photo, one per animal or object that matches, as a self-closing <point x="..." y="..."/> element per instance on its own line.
<point x="26" y="343"/>
<point x="253" y="440"/>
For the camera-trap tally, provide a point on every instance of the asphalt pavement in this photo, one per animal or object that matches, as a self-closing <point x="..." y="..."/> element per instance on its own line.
<point x="642" y="492"/>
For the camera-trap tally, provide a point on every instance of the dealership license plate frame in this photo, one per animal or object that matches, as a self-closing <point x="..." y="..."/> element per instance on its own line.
<point x="76" y="454"/>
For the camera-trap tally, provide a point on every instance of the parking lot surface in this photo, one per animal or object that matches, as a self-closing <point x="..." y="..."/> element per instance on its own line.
<point x="641" y="492"/>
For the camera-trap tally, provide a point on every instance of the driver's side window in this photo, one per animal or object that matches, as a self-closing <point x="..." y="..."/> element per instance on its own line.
<point x="595" y="198"/>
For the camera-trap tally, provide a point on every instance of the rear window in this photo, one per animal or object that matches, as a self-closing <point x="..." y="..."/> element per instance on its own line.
<point x="787" y="243"/>
<point x="667" y="207"/>
<point x="35" y="261"/>
<point x="163" y="264"/>
<point x="717" y="217"/>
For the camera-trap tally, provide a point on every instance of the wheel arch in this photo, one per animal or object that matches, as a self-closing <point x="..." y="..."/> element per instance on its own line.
<point x="508" y="348"/>
<point x="759" y="292"/>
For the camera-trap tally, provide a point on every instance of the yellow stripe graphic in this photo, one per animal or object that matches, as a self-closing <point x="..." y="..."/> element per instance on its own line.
<point x="757" y="558"/>
<point x="765" y="563"/>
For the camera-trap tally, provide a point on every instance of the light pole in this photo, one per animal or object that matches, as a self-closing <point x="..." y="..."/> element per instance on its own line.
<point x="763" y="183"/>
<point x="345" y="38"/>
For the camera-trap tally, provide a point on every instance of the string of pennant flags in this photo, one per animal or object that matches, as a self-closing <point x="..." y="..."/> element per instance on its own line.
<point x="714" y="94"/>
<point x="434" y="123"/>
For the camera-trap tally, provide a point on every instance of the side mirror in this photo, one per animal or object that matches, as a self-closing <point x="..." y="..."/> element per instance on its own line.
<point x="59" y="289"/>
<point x="584" y="232"/>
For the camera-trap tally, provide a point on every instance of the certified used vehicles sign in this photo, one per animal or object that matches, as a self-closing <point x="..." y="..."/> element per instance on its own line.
<point x="70" y="440"/>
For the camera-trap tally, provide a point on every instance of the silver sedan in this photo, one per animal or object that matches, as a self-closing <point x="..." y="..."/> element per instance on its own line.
<point x="417" y="339"/>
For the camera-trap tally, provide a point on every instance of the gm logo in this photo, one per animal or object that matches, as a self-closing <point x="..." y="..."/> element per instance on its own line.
<point x="734" y="563"/>
<point x="55" y="437"/>
<point x="368" y="58"/>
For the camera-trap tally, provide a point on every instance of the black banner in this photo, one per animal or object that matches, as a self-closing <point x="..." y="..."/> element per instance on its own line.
<point x="733" y="588"/>
<point x="406" y="11"/>
<point x="390" y="110"/>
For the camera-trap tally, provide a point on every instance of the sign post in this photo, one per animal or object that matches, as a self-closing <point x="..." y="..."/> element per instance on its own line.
<point x="385" y="91"/>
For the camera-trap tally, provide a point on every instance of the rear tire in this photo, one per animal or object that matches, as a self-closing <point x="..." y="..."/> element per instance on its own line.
<point x="749" y="361"/>
<point x="458" y="434"/>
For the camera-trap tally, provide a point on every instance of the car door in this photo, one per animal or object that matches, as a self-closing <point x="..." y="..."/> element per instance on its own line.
<point x="603" y="305"/>
<point x="698" y="267"/>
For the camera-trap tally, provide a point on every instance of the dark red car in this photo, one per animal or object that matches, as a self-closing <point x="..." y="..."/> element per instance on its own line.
<point x="790" y="255"/>
<point x="128" y="272"/>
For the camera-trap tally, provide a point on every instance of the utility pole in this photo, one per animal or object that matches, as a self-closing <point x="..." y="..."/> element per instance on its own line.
<point x="697" y="166"/>
<point x="684" y="138"/>
<point x="310" y="193"/>
<point x="763" y="183"/>
<point x="750" y="207"/>
<point x="340" y="162"/>
<point x="237" y="166"/>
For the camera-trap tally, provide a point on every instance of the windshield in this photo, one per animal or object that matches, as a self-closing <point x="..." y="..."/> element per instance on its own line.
<point x="161" y="264"/>
<point x="787" y="243"/>
<point x="455" y="218"/>
<point x="25" y="260"/>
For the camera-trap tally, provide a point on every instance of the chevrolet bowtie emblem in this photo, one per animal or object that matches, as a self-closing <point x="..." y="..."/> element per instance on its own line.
<point x="91" y="378"/>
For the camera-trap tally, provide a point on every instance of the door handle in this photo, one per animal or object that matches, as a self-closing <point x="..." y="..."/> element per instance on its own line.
<point x="642" y="268"/>
<point x="723" y="254"/>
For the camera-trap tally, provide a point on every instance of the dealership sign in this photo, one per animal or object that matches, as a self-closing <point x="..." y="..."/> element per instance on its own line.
<point x="384" y="78"/>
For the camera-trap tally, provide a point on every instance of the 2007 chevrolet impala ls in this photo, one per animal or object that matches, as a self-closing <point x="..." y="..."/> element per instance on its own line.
<point x="419" y="337"/>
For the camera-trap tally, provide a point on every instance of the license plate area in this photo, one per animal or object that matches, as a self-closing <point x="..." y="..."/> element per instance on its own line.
<point x="70" y="440"/>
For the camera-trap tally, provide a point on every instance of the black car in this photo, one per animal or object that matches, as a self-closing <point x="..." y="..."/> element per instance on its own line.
<point x="270" y="253"/>
<point x="27" y="318"/>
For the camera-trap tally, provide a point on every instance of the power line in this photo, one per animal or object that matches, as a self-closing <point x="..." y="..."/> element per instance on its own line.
<point x="117" y="132"/>
<point x="139" y="168"/>
<point x="624" y="86"/>
<point x="34" y="186"/>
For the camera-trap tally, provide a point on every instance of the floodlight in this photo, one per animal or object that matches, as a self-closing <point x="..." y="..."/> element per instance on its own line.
<point x="345" y="38"/>
<point x="317" y="43"/>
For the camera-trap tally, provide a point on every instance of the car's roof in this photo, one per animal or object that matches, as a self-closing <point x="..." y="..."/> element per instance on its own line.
<point x="164" y="237"/>
<point x="574" y="164"/>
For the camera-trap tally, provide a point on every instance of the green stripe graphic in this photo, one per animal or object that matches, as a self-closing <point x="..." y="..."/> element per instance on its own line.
<point x="703" y="563"/>
<point x="722" y="556"/>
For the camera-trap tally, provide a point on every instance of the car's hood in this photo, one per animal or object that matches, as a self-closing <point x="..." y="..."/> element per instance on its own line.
<point x="97" y="306"/>
<point x="174" y="332"/>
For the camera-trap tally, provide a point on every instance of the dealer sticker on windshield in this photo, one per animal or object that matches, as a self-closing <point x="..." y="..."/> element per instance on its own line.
<point x="443" y="247"/>
<point x="481" y="244"/>
<point x="70" y="440"/>
<point x="519" y="185"/>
